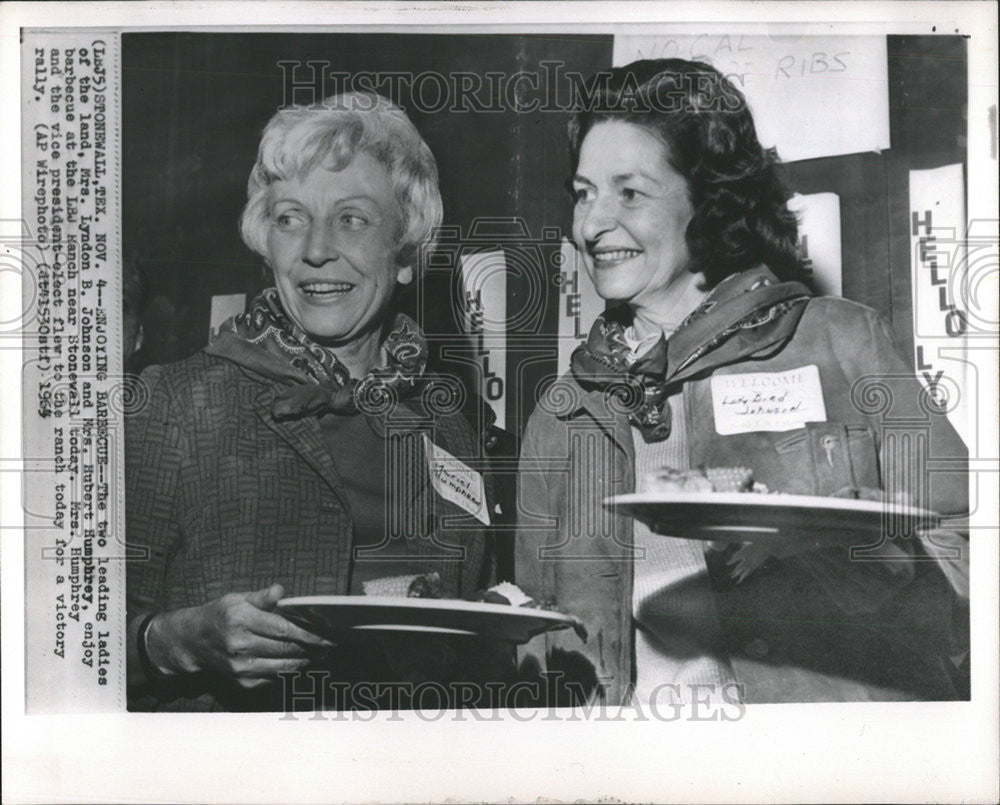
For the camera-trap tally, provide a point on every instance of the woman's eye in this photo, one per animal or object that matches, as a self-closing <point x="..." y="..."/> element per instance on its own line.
<point x="583" y="194"/>
<point x="288" y="221"/>
<point x="630" y="194"/>
<point x="353" y="221"/>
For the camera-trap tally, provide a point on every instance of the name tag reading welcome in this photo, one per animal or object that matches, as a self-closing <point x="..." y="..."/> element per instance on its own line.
<point x="772" y="401"/>
<point x="456" y="481"/>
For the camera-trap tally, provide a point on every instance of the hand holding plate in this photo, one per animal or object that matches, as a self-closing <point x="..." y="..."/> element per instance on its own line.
<point x="238" y="635"/>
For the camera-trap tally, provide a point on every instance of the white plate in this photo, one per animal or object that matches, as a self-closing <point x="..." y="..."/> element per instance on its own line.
<point x="742" y="517"/>
<point x="329" y="615"/>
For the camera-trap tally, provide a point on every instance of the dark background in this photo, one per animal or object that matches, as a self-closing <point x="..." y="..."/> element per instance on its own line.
<point x="194" y="106"/>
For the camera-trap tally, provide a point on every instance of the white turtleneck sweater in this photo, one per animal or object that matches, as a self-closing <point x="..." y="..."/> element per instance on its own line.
<point x="677" y="629"/>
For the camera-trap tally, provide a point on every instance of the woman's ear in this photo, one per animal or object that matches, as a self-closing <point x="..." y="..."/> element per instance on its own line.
<point x="404" y="275"/>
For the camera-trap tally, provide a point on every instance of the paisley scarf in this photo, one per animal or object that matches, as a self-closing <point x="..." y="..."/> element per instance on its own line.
<point x="746" y="314"/>
<point x="313" y="381"/>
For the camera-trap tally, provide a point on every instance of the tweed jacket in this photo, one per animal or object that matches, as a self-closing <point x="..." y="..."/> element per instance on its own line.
<point x="815" y="627"/>
<point x="221" y="497"/>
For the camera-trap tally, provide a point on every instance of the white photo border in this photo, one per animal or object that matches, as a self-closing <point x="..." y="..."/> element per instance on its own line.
<point x="806" y="753"/>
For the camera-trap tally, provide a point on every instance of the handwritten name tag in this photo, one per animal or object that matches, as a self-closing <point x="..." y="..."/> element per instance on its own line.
<point x="767" y="400"/>
<point x="456" y="481"/>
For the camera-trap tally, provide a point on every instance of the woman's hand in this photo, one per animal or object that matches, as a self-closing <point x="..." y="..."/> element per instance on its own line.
<point x="751" y="556"/>
<point x="238" y="635"/>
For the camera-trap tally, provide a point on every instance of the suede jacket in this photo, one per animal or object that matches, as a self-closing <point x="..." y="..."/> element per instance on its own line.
<point x="825" y="625"/>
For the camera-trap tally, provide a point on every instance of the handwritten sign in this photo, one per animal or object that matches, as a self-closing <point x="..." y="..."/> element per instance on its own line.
<point x="767" y="401"/>
<point x="938" y="262"/>
<point x="811" y="96"/>
<point x="456" y="481"/>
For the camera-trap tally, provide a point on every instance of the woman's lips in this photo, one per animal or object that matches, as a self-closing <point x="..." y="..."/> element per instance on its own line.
<point x="608" y="258"/>
<point x="326" y="290"/>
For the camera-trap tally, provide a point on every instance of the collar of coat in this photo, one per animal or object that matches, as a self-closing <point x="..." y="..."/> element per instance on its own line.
<point x="750" y="314"/>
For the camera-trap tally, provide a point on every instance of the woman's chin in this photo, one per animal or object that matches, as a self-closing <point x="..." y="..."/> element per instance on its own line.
<point x="325" y="327"/>
<point x="606" y="290"/>
<point x="324" y="332"/>
<point x="614" y="295"/>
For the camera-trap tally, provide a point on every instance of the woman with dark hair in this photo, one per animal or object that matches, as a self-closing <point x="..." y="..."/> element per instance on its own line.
<point x="713" y="353"/>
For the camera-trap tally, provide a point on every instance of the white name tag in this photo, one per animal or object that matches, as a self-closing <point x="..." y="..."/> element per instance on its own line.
<point x="456" y="481"/>
<point x="767" y="400"/>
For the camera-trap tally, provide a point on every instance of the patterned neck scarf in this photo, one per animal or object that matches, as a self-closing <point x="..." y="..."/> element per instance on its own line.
<point x="745" y="314"/>
<point x="314" y="382"/>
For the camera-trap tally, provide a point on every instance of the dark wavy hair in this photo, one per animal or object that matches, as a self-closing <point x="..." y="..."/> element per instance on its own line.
<point x="741" y="218"/>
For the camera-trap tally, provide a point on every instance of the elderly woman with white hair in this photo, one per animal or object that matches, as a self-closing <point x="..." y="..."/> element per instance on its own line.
<point x="288" y="457"/>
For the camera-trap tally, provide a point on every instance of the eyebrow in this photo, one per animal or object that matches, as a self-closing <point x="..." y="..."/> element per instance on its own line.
<point x="359" y="197"/>
<point x="619" y="178"/>
<point x="347" y="200"/>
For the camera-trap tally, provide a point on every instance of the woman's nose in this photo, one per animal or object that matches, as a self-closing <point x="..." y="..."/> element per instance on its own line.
<point x="320" y="247"/>
<point x="599" y="217"/>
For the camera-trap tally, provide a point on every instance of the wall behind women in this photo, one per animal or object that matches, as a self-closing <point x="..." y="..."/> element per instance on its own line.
<point x="194" y="106"/>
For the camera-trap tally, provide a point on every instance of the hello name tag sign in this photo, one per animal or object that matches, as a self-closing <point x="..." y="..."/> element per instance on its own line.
<point x="767" y="401"/>
<point x="456" y="481"/>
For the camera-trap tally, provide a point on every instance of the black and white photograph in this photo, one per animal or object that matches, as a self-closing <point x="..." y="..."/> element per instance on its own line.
<point x="417" y="405"/>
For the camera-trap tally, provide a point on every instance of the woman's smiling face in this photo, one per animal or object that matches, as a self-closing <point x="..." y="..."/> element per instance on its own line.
<point x="632" y="210"/>
<point x="332" y="244"/>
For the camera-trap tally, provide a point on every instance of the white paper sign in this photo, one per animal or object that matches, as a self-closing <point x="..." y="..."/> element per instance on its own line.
<point x="456" y="481"/>
<point x="225" y="307"/>
<point x="811" y="96"/>
<point x="819" y="239"/>
<point x="937" y="257"/>
<point x="484" y="275"/>
<point x="579" y="304"/>
<point x="768" y="401"/>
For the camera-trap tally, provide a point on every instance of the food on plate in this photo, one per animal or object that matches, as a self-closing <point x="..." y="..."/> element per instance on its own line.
<point x="703" y="479"/>
<point x="667" y="479"/>
<point x="428" y="585"/>
<point x="419" y="585"/>
<point x="512" y="595"/>
<point x="506" y="593"/>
